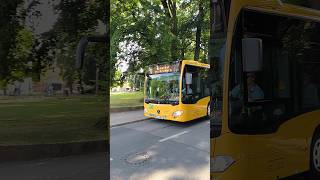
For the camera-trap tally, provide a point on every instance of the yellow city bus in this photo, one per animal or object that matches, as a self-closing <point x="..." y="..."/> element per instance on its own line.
<point x="266" y="122"/>
<point x="177" y="91"/>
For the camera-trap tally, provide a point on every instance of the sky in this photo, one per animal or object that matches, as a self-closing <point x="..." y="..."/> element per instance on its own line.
<point x="48" y="16"/>
<point x="128" y="52"/>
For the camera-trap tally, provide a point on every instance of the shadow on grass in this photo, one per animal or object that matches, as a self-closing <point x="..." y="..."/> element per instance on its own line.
<point x="37" y="120"/>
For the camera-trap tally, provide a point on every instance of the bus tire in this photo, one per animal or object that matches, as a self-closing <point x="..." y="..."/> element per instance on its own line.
<point x="315" y="157"/>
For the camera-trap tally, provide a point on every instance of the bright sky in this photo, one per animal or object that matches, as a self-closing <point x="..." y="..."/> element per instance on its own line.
<point x="128" y="52"/>
<point x="48" y="16"/>
<point x="123" y="66"/>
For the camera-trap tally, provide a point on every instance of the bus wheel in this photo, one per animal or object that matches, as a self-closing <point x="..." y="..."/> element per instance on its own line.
<point x="315" y="157"/>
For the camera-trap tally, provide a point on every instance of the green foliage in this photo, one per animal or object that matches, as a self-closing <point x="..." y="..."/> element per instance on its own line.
<point x="144" y="23"/>
<point x="97" y="57"/>
<point x="15" y="43"/>
<point x="148" y="24"/>
<point x="117" y="79"/>
<point x="78" y="19"/>
<point x="24" y="43"/>
<point x="19" y="54"/>
<point x="18" y="45"/>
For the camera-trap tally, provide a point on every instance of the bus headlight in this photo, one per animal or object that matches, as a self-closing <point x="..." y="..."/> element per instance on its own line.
<point x="177" y="113"/>
<point x="221" y="163"/>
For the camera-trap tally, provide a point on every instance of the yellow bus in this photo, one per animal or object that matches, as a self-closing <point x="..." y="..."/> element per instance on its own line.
<point x="266" y="58"/>
<point x="177" y="91"/>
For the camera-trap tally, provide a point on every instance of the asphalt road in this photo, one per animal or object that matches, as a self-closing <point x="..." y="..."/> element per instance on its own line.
<point x="159" y="149"/>
<point x="118" y="118"/>
<point x="84" y="167"/>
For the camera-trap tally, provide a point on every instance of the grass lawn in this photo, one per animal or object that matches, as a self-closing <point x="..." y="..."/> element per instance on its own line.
<point x="127" y="99"/>
<point x="38" y="120"/>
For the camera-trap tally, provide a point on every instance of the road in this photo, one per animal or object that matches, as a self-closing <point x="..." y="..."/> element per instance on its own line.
<point x="84" y="167"/>
<point x="118" y="118"/>
<point x="159" y="149"/>
<point x="145" y="150"/>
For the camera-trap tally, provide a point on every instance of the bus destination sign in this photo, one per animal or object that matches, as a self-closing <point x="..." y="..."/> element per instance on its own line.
<point x="164" y="68"/>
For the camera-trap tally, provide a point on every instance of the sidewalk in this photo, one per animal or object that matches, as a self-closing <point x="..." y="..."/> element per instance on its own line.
<point x="119" y="118"/>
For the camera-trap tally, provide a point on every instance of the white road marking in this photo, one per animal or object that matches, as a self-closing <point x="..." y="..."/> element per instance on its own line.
<point x="173" y="136"/>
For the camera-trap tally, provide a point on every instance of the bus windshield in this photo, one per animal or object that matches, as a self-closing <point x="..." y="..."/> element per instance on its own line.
<point x="163" y="88"/>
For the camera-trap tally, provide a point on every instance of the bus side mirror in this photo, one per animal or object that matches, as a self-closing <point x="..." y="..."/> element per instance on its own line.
<point x="252" y="54"/>
<point x="80" y="52"/>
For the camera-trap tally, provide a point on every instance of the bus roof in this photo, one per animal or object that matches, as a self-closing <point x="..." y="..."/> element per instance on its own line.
<point x="285" y="7"/>
<point x="196" y="63"/>
<point x="311" y="4"/>
<point x="173" y="66"/>
<point x="190" y="62"/>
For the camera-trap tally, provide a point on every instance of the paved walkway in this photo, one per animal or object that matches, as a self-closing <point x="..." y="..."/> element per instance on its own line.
<point x="126" y="117"/>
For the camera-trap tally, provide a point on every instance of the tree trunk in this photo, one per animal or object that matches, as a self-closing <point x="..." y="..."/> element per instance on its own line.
<point x="182" y="54"/>
<point x="205" y="51"/>
<point x="170" y="7"/>
<point x="5" y="86"/>
<point x="81" y="89"/>
<point x="174" y="31"/>
<point x="211" y="37"/>
<point x="71" y="87"/>
<point x="198" y="33"/>
<point x="97" y="80"/>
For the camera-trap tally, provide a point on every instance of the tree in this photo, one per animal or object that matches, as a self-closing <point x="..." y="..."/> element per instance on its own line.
<point x="166" y="30"/>
<point x="77" y="19"/>
<point x="99" y="62"/>
<point x="212" y="31"/>
<point x="198" y="33"/>
<point x="142" y="23"/>
<point x="170" y="7"/>
<point x="15" y="44"/>
<point x="42" y="55"/>
<point x="118" y="79"/>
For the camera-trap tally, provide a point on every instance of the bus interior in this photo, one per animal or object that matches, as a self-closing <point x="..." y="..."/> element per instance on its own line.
<point x="289" y="77"/>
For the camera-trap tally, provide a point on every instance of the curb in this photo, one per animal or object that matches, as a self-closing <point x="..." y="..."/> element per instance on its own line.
<point x="123" y="109"/>
<point x="130" y="122"/>
<point x="42" y="151"/>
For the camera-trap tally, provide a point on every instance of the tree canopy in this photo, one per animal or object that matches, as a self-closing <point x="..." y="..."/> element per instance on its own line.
<point x="164" y="30"/>
<point x="24" y="52"/>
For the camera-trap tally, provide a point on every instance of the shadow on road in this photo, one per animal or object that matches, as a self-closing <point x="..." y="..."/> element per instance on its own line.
<point x="181" y="124"/>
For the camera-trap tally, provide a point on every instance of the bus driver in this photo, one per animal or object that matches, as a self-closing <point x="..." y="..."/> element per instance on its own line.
<point x="254" y="90"/>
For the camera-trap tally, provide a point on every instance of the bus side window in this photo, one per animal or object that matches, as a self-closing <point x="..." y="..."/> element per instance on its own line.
<point x="204" y="85"/>
<point x="310" y="89"/>
<point x="194" y="89"/>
